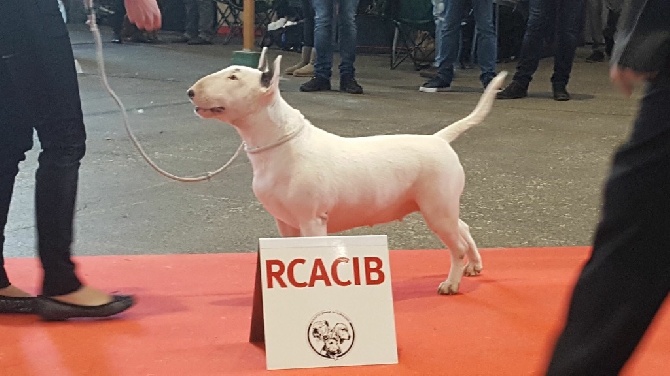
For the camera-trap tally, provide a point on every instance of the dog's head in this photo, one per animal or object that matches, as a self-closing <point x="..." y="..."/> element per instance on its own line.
<point x="237" y="91"/>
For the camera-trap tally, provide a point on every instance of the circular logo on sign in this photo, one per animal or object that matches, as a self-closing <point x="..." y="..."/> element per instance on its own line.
<point x="330" y="334"/>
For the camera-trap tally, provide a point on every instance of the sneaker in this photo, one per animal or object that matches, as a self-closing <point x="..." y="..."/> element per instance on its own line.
<point x="435" y="84"/>
<point x="486" y="81"/>
<point x="316" y="84"/>
<point x="560" y="93"/>
<point x="514" y="90"/>
<point x="349" y="85"/>
<point x="596" y="57"/>
<point x="429" y="72"/>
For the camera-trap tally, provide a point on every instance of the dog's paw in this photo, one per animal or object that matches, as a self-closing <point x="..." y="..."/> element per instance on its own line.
<point x="472" y="270"/>
<point x="447" y="288"/>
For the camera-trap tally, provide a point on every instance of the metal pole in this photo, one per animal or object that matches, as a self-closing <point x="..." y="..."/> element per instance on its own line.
<point x="248" y="25"/>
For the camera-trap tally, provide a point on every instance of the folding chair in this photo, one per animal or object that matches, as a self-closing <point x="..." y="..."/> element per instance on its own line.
<point x="414" y="26"/>
<point x="229" y="15"/>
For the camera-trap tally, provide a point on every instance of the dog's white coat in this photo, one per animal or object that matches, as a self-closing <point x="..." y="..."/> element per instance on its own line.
<point x="318" y="183"/>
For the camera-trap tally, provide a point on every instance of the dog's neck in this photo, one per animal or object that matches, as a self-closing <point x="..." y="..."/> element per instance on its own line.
<point x="270" y="125"/>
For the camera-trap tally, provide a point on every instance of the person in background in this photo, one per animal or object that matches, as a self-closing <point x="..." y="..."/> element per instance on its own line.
<point x="305" y="67"/>
<point x="323" y="36"/>
<point x="623" y="285"/>
<point x="199" y="28"/>
<point x="569" y="23"/>
<point x="448" y="41"/>
<point x="602" y="37"/>
<point x="37" y="71"/>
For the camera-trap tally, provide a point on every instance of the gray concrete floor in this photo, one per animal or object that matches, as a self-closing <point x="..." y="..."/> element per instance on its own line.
<point x="534" y="169"/>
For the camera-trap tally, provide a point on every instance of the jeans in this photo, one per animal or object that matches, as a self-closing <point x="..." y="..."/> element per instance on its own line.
<point x="439" y="14"/>
<point x="448" y="33"/>
<point x="568" y="24"/>
<point x="199" y="18"/>
<point x="40" y="92"/>
<point x="323" y="36"/>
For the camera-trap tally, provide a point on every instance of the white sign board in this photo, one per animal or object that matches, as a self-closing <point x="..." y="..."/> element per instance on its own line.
<point x="327" y="302"/>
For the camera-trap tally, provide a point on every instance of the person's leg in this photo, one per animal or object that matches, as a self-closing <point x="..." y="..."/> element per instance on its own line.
<point x="17" y="109"/>
<point x="191" y="18"/>
<point x="206" y="13"/>
<point x="449" y="35"/>
<point x="621" y="288"/>
<point x="323" y="32"/>
<point x="439" y="14"/>
<point x="539" y="12"/>
<point x="305" y="67"/>
<point x="116" y="20"/>
<point x="17" y="137"/>
<point x="569" y="26"/>
<point x="347" y="36"/>
<point x="308" y="26"/>
<point x="613" y="13"/>
<point x="62" y="138"/>
<point x="594" y="12"/>
<point x="531" y="47"/>
<point x="487" y="41"/>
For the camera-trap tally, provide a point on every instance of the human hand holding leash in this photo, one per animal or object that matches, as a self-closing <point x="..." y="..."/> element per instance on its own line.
<point x="144" y="13"/>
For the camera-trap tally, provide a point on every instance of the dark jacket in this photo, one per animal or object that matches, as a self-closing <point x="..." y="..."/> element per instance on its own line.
<point x="643" y="38"/>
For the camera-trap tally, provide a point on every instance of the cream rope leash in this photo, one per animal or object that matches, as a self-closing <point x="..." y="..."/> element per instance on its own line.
<point x="103" y="75"/>
<point x="281" y="141"/>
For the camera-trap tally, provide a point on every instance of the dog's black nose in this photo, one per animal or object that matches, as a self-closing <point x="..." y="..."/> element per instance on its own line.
<point x="190" y="93"/>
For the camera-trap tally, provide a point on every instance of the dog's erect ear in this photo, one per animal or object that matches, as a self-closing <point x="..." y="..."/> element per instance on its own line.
<point x="262" y="60"/>
<point x="266" y="77"/>
<point x="270" y="78"/>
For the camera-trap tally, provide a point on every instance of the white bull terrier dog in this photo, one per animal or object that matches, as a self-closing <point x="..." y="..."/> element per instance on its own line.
<point x="315" y="183"/>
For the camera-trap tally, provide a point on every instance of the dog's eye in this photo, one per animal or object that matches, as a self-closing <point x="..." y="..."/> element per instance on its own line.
<point x="233" y="77"/>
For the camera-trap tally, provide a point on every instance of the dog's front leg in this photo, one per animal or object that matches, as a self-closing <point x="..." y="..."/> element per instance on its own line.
<point x="287" y="231"/>
<point x="314" y="227"/>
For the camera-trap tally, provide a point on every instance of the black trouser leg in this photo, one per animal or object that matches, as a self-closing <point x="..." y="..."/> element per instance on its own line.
<point x="623" y="285"/>
<point x="62" y="137"/>
<point x="40" y="90"/>
<point x="55" y="198"/>
<point x="16" y="132"/>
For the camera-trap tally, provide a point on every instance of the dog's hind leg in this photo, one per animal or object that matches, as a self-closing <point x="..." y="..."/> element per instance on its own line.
<point x="445" y="224"/>
<point x="474" y="265"/>
<point x="287" y="231"/>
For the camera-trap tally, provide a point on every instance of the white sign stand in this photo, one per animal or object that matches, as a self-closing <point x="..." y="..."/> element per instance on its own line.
<point x="324" y="302"/>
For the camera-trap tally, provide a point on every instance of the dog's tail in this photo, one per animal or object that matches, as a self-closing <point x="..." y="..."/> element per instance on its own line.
<point x="480" y="112"/>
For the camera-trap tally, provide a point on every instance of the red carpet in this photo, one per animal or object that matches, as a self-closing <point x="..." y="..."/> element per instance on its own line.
<point x="193" y="318"/>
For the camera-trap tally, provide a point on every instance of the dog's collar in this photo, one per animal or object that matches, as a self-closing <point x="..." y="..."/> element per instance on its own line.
<point x="284" y="139"/>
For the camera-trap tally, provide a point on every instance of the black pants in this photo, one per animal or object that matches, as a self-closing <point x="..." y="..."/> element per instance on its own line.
<point x="39" y="91"/>
<point x="308" y="26"/>
<point x="541" y="17"/>
<point x="623" y="285"/>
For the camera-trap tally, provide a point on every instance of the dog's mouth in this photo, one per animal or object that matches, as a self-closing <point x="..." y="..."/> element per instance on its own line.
<point x="216" y="110"/>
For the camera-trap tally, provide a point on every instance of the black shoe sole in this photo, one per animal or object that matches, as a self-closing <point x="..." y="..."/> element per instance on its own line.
<point x="12" y="305"/>
<point x="53" y="310"/>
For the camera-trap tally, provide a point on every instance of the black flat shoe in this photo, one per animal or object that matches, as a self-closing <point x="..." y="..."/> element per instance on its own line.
<point x="54" y="310"/>
<point x="9" y="304"/>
